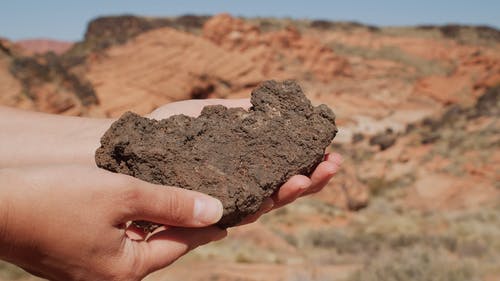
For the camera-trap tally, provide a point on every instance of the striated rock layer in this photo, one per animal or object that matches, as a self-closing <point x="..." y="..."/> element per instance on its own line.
<point x="240" y="157"/>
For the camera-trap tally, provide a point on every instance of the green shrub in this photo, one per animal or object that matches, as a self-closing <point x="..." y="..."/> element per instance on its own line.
<point x="417" y="264"/>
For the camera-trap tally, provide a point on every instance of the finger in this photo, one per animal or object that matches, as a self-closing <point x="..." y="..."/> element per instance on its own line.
<point x="334" y="158"/>
<point x="167" y="246"/>
<point x="170" y="206"/>
<point x="229" y="103"/>
<point x="291" y="190"/>
<point x="135" y="233"/>
<point x="265" y="207"/>
<point x="193" y="108"/>
<point x="322" y="175"/>
<point x="243" y="103"/>
<point x="196" y="106"/>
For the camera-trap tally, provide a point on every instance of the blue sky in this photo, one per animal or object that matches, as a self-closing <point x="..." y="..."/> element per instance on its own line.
<point x="66" y="20"/>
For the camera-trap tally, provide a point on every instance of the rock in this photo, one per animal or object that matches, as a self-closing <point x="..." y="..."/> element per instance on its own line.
<point x="279" y="52"/>
<point x="10" y="87"/>
<point x="357" y="137"/>
<point x="52" y="86"/>
<point x="147" y="72"/>
<point x="429" y="137"/>
<point x="108" y="31"/>
<point x="488" y="104"/>
<point x="384" y="140"/>
<point x="104" y="32"/>
<point x="240" y="157"/>
<point x="41" y="46"/>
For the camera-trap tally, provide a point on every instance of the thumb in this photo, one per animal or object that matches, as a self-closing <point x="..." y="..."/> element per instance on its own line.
<point x="171" y="206"/>
<point x="166" y="246"/>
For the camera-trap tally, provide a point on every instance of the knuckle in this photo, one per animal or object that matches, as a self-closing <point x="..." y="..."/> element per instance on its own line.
<point x="124" y="181"/>
<point x="131" y="194"/>
<point x="178" y="209"/>
<point x="315" y="187"/>
<point x="329" y="168"/>
<point x="128" y="201"/>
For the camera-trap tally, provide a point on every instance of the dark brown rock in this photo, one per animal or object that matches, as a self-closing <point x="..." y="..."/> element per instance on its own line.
<point x="240" y="157"/>
<point x="384" y="140"/>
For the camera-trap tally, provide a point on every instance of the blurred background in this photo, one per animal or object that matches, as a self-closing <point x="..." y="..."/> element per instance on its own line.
<point x="414" y="84"/>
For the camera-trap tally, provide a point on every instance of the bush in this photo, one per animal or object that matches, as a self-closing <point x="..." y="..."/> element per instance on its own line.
<point x="417" y="264"/>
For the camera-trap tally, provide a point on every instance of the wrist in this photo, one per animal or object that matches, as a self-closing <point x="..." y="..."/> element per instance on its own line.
<point x="53" y="140"/>
<point x="33" y="138"/>
<point x="88" y="136"/>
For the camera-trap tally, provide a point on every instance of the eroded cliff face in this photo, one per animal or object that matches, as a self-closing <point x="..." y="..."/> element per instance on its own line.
<point x="42" y="82"/>
<point x="281" y="53"/>
<point x="10" y="87"/>
<point x="143" y="62"/>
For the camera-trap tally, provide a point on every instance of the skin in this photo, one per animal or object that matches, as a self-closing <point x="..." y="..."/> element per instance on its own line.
<point x="79" y="231"/>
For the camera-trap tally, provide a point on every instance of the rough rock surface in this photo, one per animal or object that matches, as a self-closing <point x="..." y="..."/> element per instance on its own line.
<point x="240" y="157"/>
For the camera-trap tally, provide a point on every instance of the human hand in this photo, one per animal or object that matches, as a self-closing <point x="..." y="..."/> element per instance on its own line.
<point x="77" y="232"/>
<point x="300" y="185"/>
<point x="294" y="188"/>
<point x="193" y="108"/>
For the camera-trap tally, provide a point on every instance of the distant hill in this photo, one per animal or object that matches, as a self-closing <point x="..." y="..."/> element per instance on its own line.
<point x="40" y="46"/>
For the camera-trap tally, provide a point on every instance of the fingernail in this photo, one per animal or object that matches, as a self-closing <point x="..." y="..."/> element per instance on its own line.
<point x="336" y="159"/>
<point x="331" y="168"/>
<point x="207" y="210"/>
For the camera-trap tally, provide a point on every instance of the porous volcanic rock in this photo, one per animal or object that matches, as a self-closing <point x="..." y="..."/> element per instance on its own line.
<point x="238" y="156"/>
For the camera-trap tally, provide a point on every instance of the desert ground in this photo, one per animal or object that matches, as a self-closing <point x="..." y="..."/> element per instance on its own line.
<point x="418" y="196"/>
